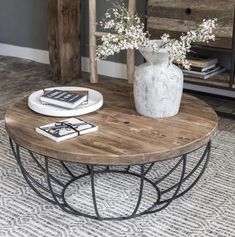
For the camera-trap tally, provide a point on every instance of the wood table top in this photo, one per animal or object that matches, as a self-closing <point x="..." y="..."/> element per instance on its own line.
<point x="124" y="137"/>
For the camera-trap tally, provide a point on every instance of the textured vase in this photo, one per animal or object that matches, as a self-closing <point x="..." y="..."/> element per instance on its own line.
<point x="158" y="85"/>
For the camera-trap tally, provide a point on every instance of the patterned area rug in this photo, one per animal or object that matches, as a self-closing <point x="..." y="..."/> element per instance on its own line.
<point x="207" y="210"/>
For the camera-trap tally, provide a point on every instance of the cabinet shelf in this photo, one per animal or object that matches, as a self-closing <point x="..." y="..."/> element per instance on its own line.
<point x="218" y="81"/>
<point x="213" y="48"/>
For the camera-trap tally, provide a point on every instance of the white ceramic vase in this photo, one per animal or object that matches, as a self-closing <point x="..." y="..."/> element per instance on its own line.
<point x="158" y="85"/>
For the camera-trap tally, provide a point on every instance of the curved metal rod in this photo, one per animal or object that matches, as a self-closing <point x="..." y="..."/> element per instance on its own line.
<point x="102" y="172"/>
<point x="67" y="169"/>
<point x="88" y="169"/>
<point x="57" y="202"/>
<point x="43" y="169"/>
<point x="25" y="172"/>
<point x="93" y="192"/>
<point x="140" y="192"/>
<point x="183" y="159"/>
<point x="71" y="209"/>
<point x="25" y="175"/>
<point x="157" y="206"/>
<point x="208" y="147"/>
<point x="149" y="168"/>
<point x="12" y="147"/>
<point x="134" y="174"/>
<point x="197" y="179"/>
<point x="37" y="183"/>
<point x="169" y="173"/>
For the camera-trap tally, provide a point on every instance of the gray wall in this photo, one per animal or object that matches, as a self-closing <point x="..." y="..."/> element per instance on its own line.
<point x="24" y="23"/>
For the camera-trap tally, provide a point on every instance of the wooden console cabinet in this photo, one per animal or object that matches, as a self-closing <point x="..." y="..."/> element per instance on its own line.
<point x="175" y="17"/>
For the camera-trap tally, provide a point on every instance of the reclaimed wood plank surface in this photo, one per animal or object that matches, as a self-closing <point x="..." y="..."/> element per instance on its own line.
<point x="124" y="137"/>
<point x="175" y="17"/>
<point x="64" y="39"/>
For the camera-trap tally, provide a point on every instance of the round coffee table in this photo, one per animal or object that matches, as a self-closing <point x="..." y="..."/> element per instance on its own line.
<point x="124" y="140"/>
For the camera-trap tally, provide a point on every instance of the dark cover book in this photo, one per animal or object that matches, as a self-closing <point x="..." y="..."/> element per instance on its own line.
<point x="66" y="99"/>
<point x="204" y="75"/>
<point x="198" y="60"/>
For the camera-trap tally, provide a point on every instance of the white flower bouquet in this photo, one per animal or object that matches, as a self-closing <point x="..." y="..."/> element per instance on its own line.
<point x="128" y="33"/>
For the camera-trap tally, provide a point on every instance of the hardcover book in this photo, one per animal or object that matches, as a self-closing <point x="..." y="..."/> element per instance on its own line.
<point x="66" y="129"/>
<point x="65" y="99"/>
<point x="201" y="69"/>
<point x="200" y="61"/>
<point x="204" y="75"/>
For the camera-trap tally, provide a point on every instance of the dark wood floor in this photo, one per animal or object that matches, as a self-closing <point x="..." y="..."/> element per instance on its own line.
<point x="18" y="78"/>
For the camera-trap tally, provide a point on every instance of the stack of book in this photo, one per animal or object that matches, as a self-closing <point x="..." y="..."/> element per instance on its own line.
<point x="69" y="128"/>
<point x="66" y="129"/>
<point x="64" y="99"/>
<point x="203" y="67"/>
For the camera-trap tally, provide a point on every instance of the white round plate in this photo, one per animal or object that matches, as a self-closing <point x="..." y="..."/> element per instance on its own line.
<point x="95" y="101"/>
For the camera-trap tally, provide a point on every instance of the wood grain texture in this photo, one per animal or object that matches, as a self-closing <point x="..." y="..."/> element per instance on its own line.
<point x="220" y="81"/>
<point x="131" y="52"/>
<point x="64" y="39"/>
<point x="92" y="41"/>
<point x="124" y="137"/>
<point x="175" y="17"/>
<point x="29" y="76"/>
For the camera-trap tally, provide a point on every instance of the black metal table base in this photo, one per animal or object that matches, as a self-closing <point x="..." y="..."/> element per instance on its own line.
<point x="174" y="191"/>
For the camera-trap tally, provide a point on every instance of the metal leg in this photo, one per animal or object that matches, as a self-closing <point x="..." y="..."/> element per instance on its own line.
<point x="93" y="192"/>
<point x="16" y="152"/>
<point x="162" y="199"/>
<point x="67" y="169"/>
<point x="43" y="169"/>
<point x="150" y="210"/>
<point x="58" y="202"/>
<point x="205" y="156"/>
<point x="140" y="192"/>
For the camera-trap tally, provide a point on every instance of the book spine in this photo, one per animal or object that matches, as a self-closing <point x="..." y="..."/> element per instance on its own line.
<point x="195" y="63"/>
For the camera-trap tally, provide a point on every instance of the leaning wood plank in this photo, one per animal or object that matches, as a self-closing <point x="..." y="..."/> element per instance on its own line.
<point x="130" y="52"/>
<point x="92" y="41"/>
<point x="64" y="39"/>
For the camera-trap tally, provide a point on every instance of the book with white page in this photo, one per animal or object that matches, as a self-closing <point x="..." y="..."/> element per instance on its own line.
<point x="65" y="99"/>
<point x="66" y="129"/>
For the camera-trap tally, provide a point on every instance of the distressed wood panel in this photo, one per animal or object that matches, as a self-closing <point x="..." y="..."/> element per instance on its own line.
<point x="92" y="41"/>
<point x="175" y="17"/>
<point x="64" y="39"/>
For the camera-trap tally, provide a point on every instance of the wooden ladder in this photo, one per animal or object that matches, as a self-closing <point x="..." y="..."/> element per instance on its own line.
<point x="92" y="43"/>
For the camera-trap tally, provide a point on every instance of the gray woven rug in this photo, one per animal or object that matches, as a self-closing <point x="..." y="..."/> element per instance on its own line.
<point x="207" y="210"/>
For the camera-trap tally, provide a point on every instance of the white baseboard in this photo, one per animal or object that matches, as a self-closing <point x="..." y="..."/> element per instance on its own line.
<point x="105" y="68"/>
<point x="41" y="56"/>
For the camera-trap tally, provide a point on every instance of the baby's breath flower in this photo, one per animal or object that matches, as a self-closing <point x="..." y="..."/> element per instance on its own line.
<point x="129" y="34"/>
